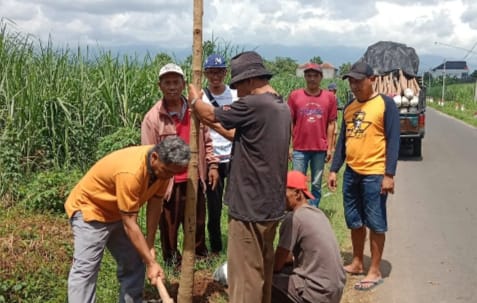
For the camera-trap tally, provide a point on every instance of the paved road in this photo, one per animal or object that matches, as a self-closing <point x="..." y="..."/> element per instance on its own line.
<point x="431" y="247"/>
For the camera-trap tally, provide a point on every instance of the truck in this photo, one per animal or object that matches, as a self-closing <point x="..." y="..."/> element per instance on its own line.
<point x="396" y="66"/>
<point x="413" y="124"/>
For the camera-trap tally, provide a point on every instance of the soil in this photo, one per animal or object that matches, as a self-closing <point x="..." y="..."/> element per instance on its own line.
<point x="207" y="290"/>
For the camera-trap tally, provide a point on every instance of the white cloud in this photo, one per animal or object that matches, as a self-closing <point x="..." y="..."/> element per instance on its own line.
<point x="310" y="24"/>
<point x="470" y="14"/>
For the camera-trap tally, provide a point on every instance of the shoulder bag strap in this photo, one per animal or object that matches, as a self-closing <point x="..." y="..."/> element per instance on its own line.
<point x="211" y="98"/>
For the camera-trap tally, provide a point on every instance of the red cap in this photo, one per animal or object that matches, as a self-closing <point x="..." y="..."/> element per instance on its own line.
<point x="296" y="179"/>
<point x="312" y="66"/>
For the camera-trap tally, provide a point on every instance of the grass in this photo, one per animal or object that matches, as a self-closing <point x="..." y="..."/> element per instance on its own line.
<point x="35" y="254"/>
<point x="60" y="109"/>
<point x="458" y="101"/>
<point x="36" y="251"/>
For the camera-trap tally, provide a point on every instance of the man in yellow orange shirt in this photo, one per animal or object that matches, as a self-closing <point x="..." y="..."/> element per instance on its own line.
<point x="103" y="210"/>
<point x="369" y="145"/>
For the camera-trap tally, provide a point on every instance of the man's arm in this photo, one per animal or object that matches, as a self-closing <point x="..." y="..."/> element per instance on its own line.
<point x="287" y="238"/>
<point x="332" y="118"/>
<point x="135" y="235"/>
<point x="128" y="192"/>
<point x="210" y="157"/>
<point x="392" y="134"/>
<point x="148" y="133"/>
<point x="133" y="231"/>
<point x="282" y="258"/>
<point x="153" y="214"/>
<point x="228" y="134"/>
<point x="212" y="161"/>
<point x="205" y="113"/>
<point x="203" y="110"/>
<point x="330" y="134"/>
<point x="339" y="157"/>
<point x="340" y="152"/>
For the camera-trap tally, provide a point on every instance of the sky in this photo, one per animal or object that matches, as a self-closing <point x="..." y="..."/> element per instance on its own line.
<point x="338" y="31"/>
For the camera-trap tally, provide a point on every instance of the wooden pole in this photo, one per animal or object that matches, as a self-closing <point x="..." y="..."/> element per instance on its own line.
<point x="475" y="93"/>
<point x="186" y="283"/>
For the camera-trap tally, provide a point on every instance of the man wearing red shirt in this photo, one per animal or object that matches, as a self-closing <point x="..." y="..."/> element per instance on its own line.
<point x="170" y="116"/>
<point x="314" y="113"/>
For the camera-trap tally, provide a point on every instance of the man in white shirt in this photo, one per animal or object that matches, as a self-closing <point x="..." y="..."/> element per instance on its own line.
<point x="218" y="94"/>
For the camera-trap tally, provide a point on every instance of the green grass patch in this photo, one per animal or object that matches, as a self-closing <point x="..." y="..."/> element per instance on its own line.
<point x="458" y="101"/>
<point x="60" y="110"/>
<point x="36" y="251"/>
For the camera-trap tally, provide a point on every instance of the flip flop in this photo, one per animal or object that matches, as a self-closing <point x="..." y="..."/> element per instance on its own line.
<point x="365" y="285"/>
<point x="352" y="273"/>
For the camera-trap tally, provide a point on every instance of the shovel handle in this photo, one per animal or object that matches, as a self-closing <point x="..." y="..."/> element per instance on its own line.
<point x="163" y="292"/>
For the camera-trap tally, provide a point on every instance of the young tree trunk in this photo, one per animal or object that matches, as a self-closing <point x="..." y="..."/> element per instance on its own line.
<point x="186" y="284"/>
<point x="475" y="93"/>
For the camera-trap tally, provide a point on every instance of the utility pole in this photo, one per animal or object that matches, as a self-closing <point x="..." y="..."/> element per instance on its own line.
<point x="475" y="91"/>
<point x="444" y="82"/>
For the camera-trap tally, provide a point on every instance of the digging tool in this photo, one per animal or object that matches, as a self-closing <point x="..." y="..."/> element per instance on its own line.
<point x="163" y="292"/>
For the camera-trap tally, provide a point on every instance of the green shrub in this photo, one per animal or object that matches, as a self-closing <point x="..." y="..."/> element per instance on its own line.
<point x="10" y="164"/>
<point x="123" y="137"/>
<point x="47" y="191"/>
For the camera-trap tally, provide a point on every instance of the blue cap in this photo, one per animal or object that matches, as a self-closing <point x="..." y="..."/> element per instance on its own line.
<point x="332" y="86"/>
<point x="215" y="61"/>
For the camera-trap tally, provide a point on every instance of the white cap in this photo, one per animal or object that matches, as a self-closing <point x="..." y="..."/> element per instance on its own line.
<point x="170" y="68"/>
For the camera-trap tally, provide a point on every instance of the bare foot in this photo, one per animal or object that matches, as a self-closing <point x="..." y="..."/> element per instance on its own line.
<point x="354" y="270"/>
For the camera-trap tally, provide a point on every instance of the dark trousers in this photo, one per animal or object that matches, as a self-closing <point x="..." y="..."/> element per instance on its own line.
<point x="173" y="215"/>
<point x="214" y="209"/>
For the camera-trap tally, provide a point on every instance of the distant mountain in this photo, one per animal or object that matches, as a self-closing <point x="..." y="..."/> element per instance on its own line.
<point x="336" y="55"/>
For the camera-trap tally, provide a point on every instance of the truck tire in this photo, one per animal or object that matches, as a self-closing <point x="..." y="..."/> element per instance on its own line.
<point x="417" y="147"/>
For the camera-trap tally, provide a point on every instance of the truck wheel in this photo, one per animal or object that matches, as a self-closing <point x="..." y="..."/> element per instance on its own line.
<point x="417" y="148"/>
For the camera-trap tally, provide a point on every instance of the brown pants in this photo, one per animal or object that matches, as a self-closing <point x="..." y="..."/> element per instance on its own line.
<point x="173" y="215"/>
<point x="250" y="258"/>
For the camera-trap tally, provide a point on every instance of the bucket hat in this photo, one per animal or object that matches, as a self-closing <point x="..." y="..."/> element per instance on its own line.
<point x="247" y="65"/>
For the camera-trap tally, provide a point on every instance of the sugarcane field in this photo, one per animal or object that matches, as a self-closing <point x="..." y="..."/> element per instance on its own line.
<point x="111" y="192"/>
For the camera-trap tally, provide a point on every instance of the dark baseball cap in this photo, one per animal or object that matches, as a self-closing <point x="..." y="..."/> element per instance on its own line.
<point x="215" y="61"/>
<point x="359" y="70"/>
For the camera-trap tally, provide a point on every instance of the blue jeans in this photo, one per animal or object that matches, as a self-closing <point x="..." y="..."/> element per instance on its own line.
<point x="363" y="202"/>
<point x="316" y="161"/>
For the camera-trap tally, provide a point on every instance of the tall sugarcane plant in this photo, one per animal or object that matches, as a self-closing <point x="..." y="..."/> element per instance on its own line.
<point x="61" y="101"/>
